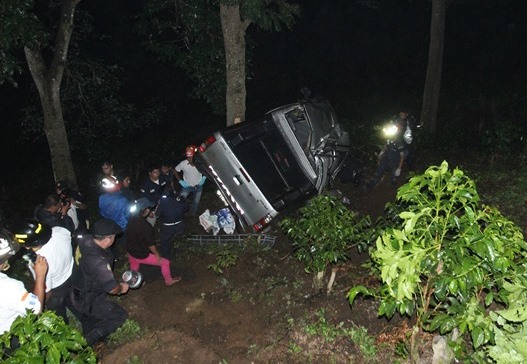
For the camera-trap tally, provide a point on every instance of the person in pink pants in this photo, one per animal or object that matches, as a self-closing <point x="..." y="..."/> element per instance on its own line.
<point x="140" y="243"/>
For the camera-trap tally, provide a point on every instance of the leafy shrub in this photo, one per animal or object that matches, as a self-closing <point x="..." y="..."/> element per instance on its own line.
<point x="324" y="232"/>
<point x="226" y="257"/>
<point x="505" y="140"/>
<point x="44" y="338"/>
<point x="452" y="263"/>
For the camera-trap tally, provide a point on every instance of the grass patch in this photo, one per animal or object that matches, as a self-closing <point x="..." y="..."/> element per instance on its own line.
<point x="129" y="331"/>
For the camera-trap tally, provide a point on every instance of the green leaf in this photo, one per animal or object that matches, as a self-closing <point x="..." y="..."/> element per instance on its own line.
<point x="489" y="298"/>
<point x="517" y="312"/>
<point x="478" y="336"/>
<point x="53" y="355"/>
<point x="356" y="290"/>
<point x="437" y="321"/>
<point x="447" y="325"/>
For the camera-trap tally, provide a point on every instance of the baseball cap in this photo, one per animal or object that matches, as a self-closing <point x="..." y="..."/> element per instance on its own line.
<point x="106" y="227"/>
<point x="143" y="203"/>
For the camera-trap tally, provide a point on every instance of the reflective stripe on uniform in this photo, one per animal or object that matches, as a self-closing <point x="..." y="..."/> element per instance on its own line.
<point x="171" y="223"/>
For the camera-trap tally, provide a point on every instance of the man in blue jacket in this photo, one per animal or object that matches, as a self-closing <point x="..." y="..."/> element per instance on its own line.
<point x="112" y="204"/>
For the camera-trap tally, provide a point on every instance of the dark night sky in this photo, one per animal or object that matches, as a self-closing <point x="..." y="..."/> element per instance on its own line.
<point x="368" y="62"/>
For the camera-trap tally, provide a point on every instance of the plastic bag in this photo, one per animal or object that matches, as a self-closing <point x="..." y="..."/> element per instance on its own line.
<point x="216" y="221"/>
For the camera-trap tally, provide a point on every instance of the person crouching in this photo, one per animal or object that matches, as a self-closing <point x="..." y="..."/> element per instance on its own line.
<point x="140" y="243"/>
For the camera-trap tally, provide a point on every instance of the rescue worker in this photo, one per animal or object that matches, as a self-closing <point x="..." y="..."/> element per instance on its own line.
<point x="190" y="179"/>
<point x="53" y="243"/>
<point x="112" y="204"/>
<point x="107" y="170"/>
<point x="391" y="157"/>
<point x="93" y="280"/>
<point x="171" y="216"/>
<point x="14" y="298"/>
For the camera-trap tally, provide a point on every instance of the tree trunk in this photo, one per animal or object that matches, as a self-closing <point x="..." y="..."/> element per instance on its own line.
<point x="48" y="80"/>
<point x="233" y="29"/>
<point x="435" y="65"/>
<point x="318" y="280"/>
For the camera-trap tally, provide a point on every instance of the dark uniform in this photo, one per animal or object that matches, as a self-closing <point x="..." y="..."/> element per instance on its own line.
<point x="170" y="212"/>
<point x="152" y="190"/>
<point x="92" y="280"/>
<point x="390" y="158"/>
<point x="165" y="180"/>
<point x="46" y="217"/>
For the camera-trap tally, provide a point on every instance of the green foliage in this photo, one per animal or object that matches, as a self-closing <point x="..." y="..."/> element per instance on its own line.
<point x="451" y="263"/>
<point x="18" y="27"/>
<point x="129" y="331"/>
<point x="44" y="338"/>
<point x="505" y="139"/>
<point x="358" y="335"/>
<point x="506" y="190"/>
<point x="95" y="114"/>
<point x="189" y="34"/>
<point x="268" y="15"/>
<point x="322" y="328"/>
<point x="365" y="342"/>
<point x="226" y="257"/>
<point x="324" y="231"/>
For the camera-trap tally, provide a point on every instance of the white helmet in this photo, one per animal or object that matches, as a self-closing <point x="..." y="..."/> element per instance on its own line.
<point x="8" y="246"/>
<point x="110" y="184"/>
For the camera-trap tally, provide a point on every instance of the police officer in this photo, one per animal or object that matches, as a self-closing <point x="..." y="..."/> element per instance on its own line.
<point x="93" y="280"/>
<point x="167" y="175"/>
<point x="14" y="298"/>
<point x="171" y="215"/>
<point x="153" y="186"/>
<point x="55" y="245"/>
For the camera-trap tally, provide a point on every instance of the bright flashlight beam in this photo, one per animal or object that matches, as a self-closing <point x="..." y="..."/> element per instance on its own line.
<point x="389" y="130"/>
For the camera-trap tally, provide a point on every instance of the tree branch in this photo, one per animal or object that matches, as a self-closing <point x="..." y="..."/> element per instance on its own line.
<point x="62" y="40"/>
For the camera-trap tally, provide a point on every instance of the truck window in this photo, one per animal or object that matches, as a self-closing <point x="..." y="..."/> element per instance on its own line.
<point x="298" y="122"/>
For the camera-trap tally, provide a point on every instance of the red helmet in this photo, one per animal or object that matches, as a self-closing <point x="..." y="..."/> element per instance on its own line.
<point x="110" y="184"/>
<point x="190" y="151"/>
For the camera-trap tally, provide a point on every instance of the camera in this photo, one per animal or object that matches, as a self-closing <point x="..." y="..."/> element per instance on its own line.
<point x="30" y="256"/>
